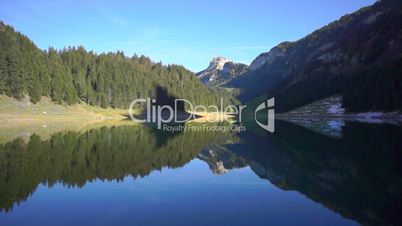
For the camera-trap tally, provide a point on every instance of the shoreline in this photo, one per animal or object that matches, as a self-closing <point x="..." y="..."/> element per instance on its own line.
<point x="368" y="117"/>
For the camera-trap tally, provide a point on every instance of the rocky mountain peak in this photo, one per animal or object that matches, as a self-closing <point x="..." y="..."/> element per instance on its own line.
<point x="217" y="63"/>
<point x="221" y="70"/>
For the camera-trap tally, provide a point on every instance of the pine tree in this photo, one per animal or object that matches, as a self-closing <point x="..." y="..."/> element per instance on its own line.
<point x="73" y="74"/>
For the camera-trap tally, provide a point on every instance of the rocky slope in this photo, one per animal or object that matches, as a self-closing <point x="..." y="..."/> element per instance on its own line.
<point x="358" y="57"/>
<point x="266" y="58"/>
<point x="221" y="70"/>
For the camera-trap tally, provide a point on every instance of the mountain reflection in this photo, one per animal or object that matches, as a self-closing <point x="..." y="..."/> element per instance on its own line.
<point x="358" y="174"/>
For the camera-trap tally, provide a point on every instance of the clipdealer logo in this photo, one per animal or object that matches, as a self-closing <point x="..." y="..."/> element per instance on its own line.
<point x="163" y="114"/>
<point x="269" y="105"/>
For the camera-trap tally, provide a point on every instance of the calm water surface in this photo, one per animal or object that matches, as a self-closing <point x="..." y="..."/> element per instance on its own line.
<point x="303" y="174"/>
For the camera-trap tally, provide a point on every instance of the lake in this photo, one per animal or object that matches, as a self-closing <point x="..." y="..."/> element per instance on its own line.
<point x="306" y="173"/>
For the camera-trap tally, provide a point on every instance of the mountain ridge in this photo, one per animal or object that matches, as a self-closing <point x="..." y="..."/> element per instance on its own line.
<point x="357" y="56"/>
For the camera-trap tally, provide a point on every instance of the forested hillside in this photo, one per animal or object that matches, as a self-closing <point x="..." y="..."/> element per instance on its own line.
<point x="73" y="74"/>
<point x="358" y="57"/>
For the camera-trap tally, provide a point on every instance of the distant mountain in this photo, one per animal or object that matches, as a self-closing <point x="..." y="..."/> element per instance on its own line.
<point x="221" y="70"/>
<point x="358" y="57"/>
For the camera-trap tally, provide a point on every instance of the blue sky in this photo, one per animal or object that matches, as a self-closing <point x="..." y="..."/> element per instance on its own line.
<point x="184" y="32"/>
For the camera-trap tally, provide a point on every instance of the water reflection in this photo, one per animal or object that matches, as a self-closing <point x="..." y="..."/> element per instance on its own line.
<point x="75" y="158"/>
<point x="357" y="174"/>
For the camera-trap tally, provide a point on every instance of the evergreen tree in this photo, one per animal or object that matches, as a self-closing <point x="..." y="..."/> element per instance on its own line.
<point x="73" y="74"/>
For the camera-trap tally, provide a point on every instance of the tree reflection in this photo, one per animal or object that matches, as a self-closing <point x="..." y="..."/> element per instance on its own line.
<point x="74" y="158"/>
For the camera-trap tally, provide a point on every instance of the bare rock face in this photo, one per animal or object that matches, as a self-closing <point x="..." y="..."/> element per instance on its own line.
<point x="213" y="70"/>
<point x="267" y="57"/>
<point x="217" y="63"/>
<point x="221" y="70"/>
